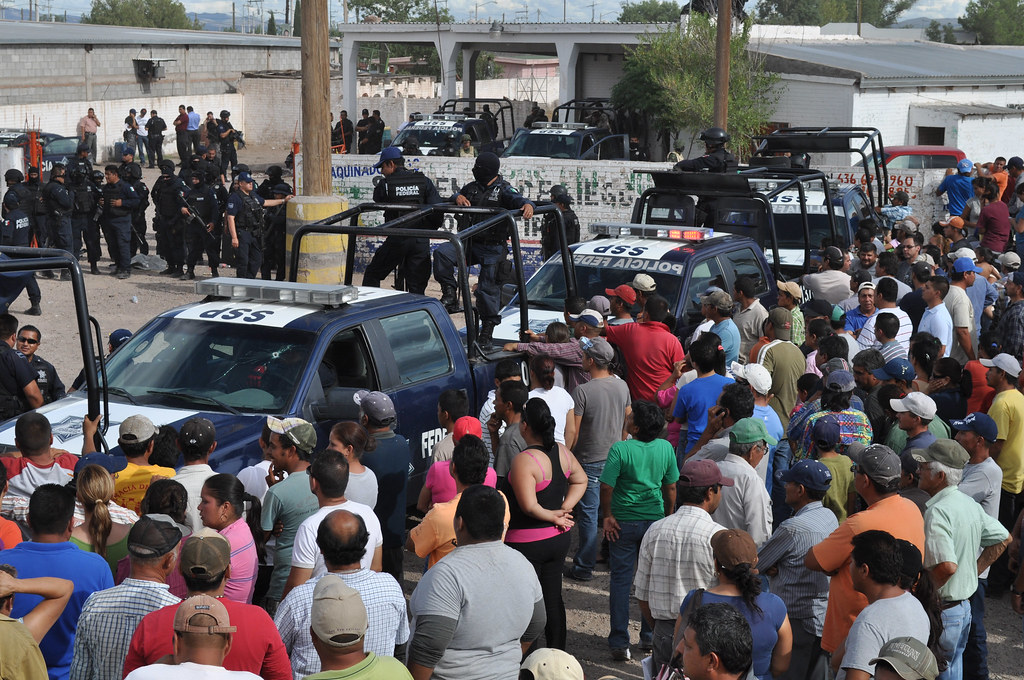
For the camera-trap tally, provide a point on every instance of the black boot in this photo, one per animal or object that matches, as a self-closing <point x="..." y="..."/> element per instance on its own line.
<point x="35" y="309"/>
<point x="94" y="268"/>
<point x="450" y="298"/>
<point x="189" y="275"/>
<point x="167" y="272"/>
<point x="486" y="336"/>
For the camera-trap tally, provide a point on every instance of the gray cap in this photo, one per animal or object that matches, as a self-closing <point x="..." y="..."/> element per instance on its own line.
<point x="879" y="463"/>
<point x="136" y="429"/>
<point x="598" y="349"/>
<point x="377" y="406"/>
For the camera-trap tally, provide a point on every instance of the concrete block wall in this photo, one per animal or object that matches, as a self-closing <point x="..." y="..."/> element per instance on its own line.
<point x="919" y="184"/>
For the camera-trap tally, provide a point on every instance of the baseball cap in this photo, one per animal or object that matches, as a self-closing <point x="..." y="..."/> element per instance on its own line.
<point x="205" y="555"/>
<point x="921" y="270"/>
<point x="644" y="283"/>
<point x="750" y="430"/>
<point x="1010" y="262"/>
<point x="282" y="189"/>
<point x="376" y="405"/>
<point x="895" y="369"/>
<point x="703" y="472"/>
<point x="949" y="452"/>
<point x="623" y="292"/>
<point x="826" y="431"/>
<point x="833" y="365"/>
<point x="918" y="403"/>
<point x="128" y="151"/>
<point x="338" y="615"/>
<point x="136" y="429"/>
<point x="197" y="434"/>
<point x="119" y="337"/>
<point x="965" y="252"/>
<point x="810" y="473"/>
<point x="962" y="265"/>
<point x="202" y="614"/>
<point x="791" y="288"/>
<point x="833" y="255"/>
<point x="1004" y="362"/>
<point x="548" y="663"/>
<point x="979" y="423"/>
<point x="109" y="463"/>
<point x="466" y="425"/>
<point x="837" y="313"/>
<point x="733" y="547"/>
<point x="598" y="349"/>
<point x="591" y="317"/>
<point x="390" y="153"/>
<point x="755" y="374"/>
<point x="244" y="177"/>
<point x="955" y="222"/>
<point x="153" y="536"/>
<point x="132" y="111"/>
<point x="782" y="321"/>
<point x="817" y="307"/>
<point x="600" y="303"/>
<point x="867" y="285"/>
<point x="295" y="430"/>
<point x="909" y="657"/>
<point x="964" y="166"/>
<point x="718" y="299"/>
<point x="841" y="381"/>
<point x="1015" y="162"/>
<point x="879" y="463"/>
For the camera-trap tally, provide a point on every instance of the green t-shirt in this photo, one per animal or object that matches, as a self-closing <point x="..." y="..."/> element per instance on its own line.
<point x="115" y="551"/>
<point x="842" y="484"/>
<point x="373" y="667"/>
<point x="289" y="501"/>
<point x="897" y="438"/>
<point x="636" y="471"/>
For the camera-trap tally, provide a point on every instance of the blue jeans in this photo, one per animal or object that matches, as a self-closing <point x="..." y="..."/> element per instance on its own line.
<point x="622" y="556"/>
<point x="956" y="624"/>
<point x="143" y="147"/>
<point x="976" y="652"/>
<point x="781" y="461"/>
<point x="487" y="256"/>
<point x="586" y="520"/>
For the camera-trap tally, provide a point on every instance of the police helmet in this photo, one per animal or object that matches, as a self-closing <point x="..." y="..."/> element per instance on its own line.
<point x="225" y="113"/>
<point x="11" y="200"/>
<point x="57" y="170"/>
<point x="83" y="146"/>
<point x="282" y="189"/>
<point x="166" y="167"/>
<point x="715" y="136"/>
<point x="14" y="176"/>
<point x="211" y="175"/>
<point x="240" y="168"/>
<point x="275" y="171"/>
<point x="98" y="176"/>
<point x="32" y="170"/>
<point x="75" y="174"/>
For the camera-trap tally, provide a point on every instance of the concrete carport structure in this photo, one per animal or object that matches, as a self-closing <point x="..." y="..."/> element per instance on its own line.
<point x="566" y="41"/>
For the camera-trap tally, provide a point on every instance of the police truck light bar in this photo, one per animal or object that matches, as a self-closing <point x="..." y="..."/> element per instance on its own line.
<point x="547" y="125"/>
<point x="278" y="291"/>
<point x="649" y="231"/>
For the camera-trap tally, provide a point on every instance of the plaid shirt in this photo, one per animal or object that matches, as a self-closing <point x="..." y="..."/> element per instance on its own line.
<point x="105" y="627"/>
<point x="853" y="427"/>
<point x="385" y="611"/>
<point x="1011" y="329"/>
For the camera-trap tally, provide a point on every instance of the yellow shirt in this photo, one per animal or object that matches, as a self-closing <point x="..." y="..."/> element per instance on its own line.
<point x="1008" y="411"/>
<point x="131" y="483"/>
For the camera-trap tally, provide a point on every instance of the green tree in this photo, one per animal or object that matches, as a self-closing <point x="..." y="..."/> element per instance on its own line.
<point x="789" y="12"/>
<point x="297" y="19"/>
<point x="650" y="12"/>
<point x="148" y="14"/>
<point x="271" y="24"/>
<point x="943" y="33"/>
<point x="670" y="78"/>
<point x="991" y="21"/>
<point x="833" y="11"/>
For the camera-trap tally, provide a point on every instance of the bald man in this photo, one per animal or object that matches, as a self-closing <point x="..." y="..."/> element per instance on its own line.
<point x="342" y="538"/>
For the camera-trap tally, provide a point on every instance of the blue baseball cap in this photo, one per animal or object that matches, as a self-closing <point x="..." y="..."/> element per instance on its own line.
<point x="978" y="423"/>
<point x="109" y="463"/>
<point x="391" y="153"/>
<point x="811" y="473"/>
<point x="965" y="166"/>
<point x="964" y="265"/>
<point x="826" y="431"/>
<point x="119" y="337"/>
<point x="896" y="369"/>
<point x="244" y="177"/>
<point x="1016" y="277"/>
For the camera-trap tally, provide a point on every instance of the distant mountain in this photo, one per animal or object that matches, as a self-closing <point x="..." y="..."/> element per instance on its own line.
<point x="212" y="21"/>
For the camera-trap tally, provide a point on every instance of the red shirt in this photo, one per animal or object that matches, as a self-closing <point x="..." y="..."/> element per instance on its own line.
<point x="181" y="123"/>
<point x="24" y="476"/>
<point x="255" y="647"/>
<point x="650" y="350"/>
<point x="10" y="534"/>
<point x="994" y="222"/>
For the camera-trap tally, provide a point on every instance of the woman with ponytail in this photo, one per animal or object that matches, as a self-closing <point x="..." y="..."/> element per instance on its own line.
<point x="98" y="533"/>
<point x="739" y="585"/>
<point x="560" y="403"/>
<point x="925" y="350"/>
<point x="226" y="508"/>
<point x="543" y="485"/>
<point x="916" y="580"/>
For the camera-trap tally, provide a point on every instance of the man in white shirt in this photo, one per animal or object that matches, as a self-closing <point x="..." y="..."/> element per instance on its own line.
<point x="831" y="283"/>
<point x="746" y="505"/>
<point x="143" y="136"/>
<point x="885" y="301"/>
<point x="197" y="439"/>
<point x="936" y="319"/>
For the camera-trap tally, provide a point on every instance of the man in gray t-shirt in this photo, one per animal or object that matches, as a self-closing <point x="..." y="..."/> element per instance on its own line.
<point x="462" y="625"/>
<point x="600" y="407"/>
<point x="509" y="400"/>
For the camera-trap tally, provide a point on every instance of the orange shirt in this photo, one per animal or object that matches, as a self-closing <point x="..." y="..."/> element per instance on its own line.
<point x="10" y="534"/>
<point x="435" y="535"/>
<point x="1001" y="178"/>
<point x="895" y="515"/>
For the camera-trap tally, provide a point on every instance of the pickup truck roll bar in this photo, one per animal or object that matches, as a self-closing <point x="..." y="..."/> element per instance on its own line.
<point x="25" y="259"/>
<point x="396" y="227"/>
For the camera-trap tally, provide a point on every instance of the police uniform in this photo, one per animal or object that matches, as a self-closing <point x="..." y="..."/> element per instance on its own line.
<point x="116" y="222"/>
<point x="15" y="375"/>
<point x="32" y="204"/>
<point x="228" y="156"/>
<point x="202" y="235"/>
<point x="718" y="160"/>
<point x="59" y="204"/>
<point x="549" y="228"/>
<point x="412" y="256"/>
<point x="168" y="199"/>
<point x="85" y="217"/>
<point x="247" y="209"/>
<point x="274" y="239"/>
<point x="15" y="230"/>
<point x="49" y="383"/>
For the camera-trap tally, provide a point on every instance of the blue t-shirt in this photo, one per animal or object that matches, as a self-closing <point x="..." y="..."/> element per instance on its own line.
<point x="958" y="191"/>
<point x="88" y="571"/>
<point x="390" y="463"/>
<point x="695" y="398"/>
<point x="774" y="426"/>
<point x="1019" y="237"/>
<point x="764" y="626"/>
<point x="730" y="335"/>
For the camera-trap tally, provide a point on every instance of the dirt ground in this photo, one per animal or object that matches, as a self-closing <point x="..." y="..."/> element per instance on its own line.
<point x="131" y="303"/>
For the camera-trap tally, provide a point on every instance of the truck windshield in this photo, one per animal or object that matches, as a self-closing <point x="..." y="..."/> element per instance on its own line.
<point x="546" y="288"/>
<point x="545" y="144"/>
<point x="429" y="137"/>
<point x="211" y="365"/>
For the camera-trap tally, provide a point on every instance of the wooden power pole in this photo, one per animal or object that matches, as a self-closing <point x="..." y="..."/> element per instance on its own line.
<point x="316" y="91"/>
<point x="722" y="45"/>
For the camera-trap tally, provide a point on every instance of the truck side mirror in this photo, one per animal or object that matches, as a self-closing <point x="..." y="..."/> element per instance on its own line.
<point x="338" y="405"/>
<point x="508" y="291"/>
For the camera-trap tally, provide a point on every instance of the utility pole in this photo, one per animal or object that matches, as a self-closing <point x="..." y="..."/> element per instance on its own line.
<point x="722" y="40"/>
<point x="316" y="141"/>
<point x="287" y="11"/>
<point x="233" y="17"/>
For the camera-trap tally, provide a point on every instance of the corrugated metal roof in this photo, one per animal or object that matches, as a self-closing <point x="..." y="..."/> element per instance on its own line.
<point x="972" y="109"/>
<point x="59" y="33"/>
<point x="888" y="63"/>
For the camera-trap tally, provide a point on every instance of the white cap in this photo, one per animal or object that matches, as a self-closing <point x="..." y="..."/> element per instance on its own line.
<point x="966" y="252"/>
<point x="755" y="374"/>
<point x="1003" y="362"/>
<point x="867" y="285"/>
<point x="918" y="403"/>
<point x="1010" y="261"/>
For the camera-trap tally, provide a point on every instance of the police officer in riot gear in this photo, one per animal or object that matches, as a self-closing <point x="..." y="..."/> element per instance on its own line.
<point x="226" y="133"/>
<point x="245" y="221"/>
<point x="32" y="204"/>
<point x="59" y="204"/>
<point x="18" y="389"/>
<point x="83" y="215"/>
<point x="398" y="184"/>
<point x="15" y="231"/>
<point x="81" y="161"/>
<point x="15" y="183"/>
<point x="716" y="157"/>
<point x="549" y="227"/>
<point x="201" y="232"/>
<point x="118" y="201"/>
<point x="488" y="249"/>
<point x="274" y="175"/>
<point x="171" y="213"/>
<point x="131" y="174"/>
<point x="274" y="236"/>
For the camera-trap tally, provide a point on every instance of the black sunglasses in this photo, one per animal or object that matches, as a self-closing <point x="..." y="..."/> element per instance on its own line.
<point x="28" y="341"/>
